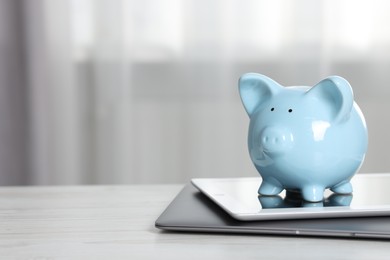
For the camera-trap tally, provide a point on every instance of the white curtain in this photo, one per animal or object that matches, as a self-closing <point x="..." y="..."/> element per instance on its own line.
<point x="145" y="91"/>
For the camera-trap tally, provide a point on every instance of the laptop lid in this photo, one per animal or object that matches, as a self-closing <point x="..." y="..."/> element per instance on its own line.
<point x="193" y="211"/>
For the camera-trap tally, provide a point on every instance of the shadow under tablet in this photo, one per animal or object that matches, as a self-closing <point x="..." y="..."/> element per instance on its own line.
<point x="193" y="211"/>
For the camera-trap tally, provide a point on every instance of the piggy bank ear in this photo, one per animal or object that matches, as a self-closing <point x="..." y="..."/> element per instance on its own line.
<point x="255" y="89"/>
<point x="337" y="92"/>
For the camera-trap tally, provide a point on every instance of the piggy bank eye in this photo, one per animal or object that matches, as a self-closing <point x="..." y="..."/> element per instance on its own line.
<point x="272" y="109"/>
<point x="290" y="110"/>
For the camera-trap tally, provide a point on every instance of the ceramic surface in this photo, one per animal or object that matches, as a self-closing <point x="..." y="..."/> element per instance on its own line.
<point x="304" y="138"/>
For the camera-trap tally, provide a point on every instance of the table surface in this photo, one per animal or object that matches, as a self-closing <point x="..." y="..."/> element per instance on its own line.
<point x="117" y="222"/>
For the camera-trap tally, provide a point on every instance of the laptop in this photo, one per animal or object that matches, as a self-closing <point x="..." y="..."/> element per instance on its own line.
<point x="192" y="211"/>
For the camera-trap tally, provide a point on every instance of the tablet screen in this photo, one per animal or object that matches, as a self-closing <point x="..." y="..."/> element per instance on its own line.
<point x="239" y="197"/>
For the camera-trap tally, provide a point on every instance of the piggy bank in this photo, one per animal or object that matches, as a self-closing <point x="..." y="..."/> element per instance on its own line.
<point x="304" y="139"/>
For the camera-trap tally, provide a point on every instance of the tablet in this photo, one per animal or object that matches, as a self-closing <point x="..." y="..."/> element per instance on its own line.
<point x="239" y="198"/>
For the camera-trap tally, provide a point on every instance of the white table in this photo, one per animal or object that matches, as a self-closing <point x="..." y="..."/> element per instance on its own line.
<point x="117" y="222"/>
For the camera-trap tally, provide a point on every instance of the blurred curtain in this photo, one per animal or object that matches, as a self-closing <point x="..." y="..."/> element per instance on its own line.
<point x="13" y="97"/>
<point x="102" y="91"/>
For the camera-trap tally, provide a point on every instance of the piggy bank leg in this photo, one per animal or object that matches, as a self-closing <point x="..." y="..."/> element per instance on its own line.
<point x="313" y="193"/>
<point x="270" y="187"/>
<point x="271" y="202"/>
<point x="342" y="188"/>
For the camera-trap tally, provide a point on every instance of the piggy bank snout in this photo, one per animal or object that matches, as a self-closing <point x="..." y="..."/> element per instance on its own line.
<point x="276" y="139"/>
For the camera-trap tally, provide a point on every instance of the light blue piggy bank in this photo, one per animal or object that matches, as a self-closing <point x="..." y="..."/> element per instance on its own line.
<point x="301" y="138"/>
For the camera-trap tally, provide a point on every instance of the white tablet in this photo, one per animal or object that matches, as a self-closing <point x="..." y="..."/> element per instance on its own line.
<point x="239" y="198"/>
